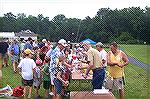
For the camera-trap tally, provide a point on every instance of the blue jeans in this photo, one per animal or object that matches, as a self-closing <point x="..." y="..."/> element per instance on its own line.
<point x="98" y="78"/>
<point x="58" y="85"/>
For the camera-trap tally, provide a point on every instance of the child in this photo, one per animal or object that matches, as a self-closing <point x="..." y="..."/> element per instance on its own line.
<point x="58" y="80"/>
<point x="26" y="67"/>
<point x="46" y="77"/>
<point x="37" y="78"/>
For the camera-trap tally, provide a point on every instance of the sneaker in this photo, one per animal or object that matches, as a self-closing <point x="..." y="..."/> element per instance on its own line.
<point x="15" y="72"/>
<point x="67" y="93"/>
<point x="51" y="93"/>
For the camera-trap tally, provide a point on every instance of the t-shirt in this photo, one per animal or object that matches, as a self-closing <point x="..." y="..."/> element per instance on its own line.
<point x="46" y="70"/>
<point x="28" y="45"/>
<point x="103" y="55"/>
<point x="54" y="58"/>
<point x="93" y="58"/>
<point x="37" y="73"/>
<point x="15" y="48"/>
<point x="3" y="47"/>
<point x="37" y="76"/>
<point x="27" y="65"/>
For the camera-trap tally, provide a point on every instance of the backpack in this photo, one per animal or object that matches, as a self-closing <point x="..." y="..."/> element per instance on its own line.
<point x="18" y="91"/>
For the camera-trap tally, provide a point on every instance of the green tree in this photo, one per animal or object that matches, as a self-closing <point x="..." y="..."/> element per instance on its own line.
<point x="9" y="21"/>
<point x="1" y="24"/>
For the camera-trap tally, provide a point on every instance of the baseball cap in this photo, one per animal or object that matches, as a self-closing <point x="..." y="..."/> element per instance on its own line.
<point x="44" y="40"/>
<point x="27" y="51"/>
<point x="62" y="42"/>
<point x="99" y="44"/>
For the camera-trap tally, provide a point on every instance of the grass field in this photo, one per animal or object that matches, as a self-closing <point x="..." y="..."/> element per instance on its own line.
<point x="140" y="52"/>
<point x="137" y="79"/>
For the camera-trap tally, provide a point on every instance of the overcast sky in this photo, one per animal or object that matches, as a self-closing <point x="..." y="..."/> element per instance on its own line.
<point x="70" y="8"/>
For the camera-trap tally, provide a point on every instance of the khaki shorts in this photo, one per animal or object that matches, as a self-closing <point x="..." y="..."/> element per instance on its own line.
<point x="114" y="83"/>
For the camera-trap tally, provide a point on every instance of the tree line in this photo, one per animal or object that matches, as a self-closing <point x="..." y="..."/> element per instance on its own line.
<point x="129" y="25"/>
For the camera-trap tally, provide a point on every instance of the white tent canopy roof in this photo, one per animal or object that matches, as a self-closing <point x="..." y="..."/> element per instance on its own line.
<point x="7" y="34"/>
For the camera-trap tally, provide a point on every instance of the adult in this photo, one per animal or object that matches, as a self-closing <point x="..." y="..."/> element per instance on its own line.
<point x="3" y="58"/>
<point x="28" y="44"/>
<point x="3" y="51"/>
<point x="102" y="54"/>
<point x="43" y="43"/>
<point x="94" y="64"/>
<point x="117" y="60"/>
<point x="55" y="54"/>
<point x="14" y="50"/>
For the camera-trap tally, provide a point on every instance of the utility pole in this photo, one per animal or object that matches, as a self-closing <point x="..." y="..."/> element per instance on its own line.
<point x="78" y="31"/>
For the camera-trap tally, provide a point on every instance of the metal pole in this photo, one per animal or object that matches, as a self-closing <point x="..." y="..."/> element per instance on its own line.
<point x="78" y="31"/>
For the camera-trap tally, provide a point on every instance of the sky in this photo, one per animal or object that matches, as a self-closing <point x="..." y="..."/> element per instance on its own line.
<point x="70" y="8"/>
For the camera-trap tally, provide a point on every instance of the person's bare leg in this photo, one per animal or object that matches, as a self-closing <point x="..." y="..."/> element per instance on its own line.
<point x="25" y="92"/>
<point x="121" y="93"/>
<point x="1" y="79"/>
<point x="58" y="96"/>
<point x="5" y="61"/>
<point x="54" y="97"/>
<point x="53" y="90"/>
<point x="15" y="66"/>
<point x="46" y="93"/>
<point x="30" y="92"/>
<point x="37" y="92"/>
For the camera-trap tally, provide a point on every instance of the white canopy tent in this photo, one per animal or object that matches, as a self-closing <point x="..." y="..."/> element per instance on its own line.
<point x="7" y="34"/>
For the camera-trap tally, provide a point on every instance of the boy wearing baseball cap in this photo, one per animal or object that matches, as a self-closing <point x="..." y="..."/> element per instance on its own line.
<point x="26" y="67"/>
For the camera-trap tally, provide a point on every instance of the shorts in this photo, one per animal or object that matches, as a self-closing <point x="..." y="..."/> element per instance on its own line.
<point x="114" y="83"/>
<point x="58" y="85"/>
<point x="36" y="83"/>
<point x="5" y="56"/>
<point x="37" y="87"/>
<point x="27" y="82"/>
<point x="15" y="58"/>
<point x="46" y="84"/>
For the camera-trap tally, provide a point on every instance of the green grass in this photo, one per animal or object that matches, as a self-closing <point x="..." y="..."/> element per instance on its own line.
<point x="137" y="79"/>
<point x="136" y="87"/>
<point x="14" y="80"/>
<point x="140" y="52"/>
<point x="136" y="82"/>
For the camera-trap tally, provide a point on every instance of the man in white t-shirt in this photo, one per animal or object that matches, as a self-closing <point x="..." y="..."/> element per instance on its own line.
<point x="26" y="67"/>
<point x="102" y="53"/>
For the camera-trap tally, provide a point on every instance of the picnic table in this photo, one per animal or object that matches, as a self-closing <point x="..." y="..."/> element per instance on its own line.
<point x="90" y="95"/>
<point x="77" y="73"/>
<point x="79" y="81"/>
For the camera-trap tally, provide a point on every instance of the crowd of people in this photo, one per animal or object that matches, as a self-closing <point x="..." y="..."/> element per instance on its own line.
<point x="41" y="63"/>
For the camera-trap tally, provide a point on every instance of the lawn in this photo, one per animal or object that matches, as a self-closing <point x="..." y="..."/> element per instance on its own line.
<point x="137" y="79"/>
<point x="136" y="82"/>
<point x="140" y="52"/>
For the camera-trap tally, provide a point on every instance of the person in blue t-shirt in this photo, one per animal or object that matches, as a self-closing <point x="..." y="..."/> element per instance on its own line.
<point x="14" y="51"/>
<point x="28" y="44"/>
